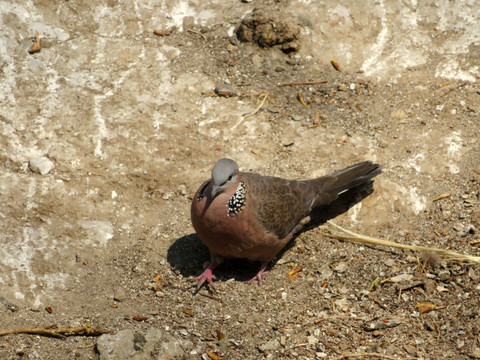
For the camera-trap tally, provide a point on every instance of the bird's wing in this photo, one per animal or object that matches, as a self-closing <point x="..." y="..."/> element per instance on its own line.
<point x="278" y="204"/>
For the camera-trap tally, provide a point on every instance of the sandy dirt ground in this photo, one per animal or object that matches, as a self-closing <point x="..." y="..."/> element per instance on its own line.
<point x="107" y="132"/>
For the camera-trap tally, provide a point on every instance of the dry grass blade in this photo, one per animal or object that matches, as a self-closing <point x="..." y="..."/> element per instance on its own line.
<point x="253" y="113"/>
<point x="363" y="239"/>
<point x="259" y="106"/>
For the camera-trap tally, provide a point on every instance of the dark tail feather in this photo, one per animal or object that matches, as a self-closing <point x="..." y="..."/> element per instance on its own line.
<point x="342" y="180"/>
<point x="353" y="176"/>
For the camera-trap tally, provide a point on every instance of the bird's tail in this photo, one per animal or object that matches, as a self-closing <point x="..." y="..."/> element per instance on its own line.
<point x="342" y="180"/>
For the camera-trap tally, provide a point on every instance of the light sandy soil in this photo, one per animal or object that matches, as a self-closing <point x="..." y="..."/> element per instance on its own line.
<point x="131" y="126"/>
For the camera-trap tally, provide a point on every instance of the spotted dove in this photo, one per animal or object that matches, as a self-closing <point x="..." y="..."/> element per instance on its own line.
<point x="246" y="215"/>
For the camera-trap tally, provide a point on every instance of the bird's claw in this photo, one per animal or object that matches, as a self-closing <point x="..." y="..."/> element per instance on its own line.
<point x="257" y="277"/>
<point x="208" y="277"/>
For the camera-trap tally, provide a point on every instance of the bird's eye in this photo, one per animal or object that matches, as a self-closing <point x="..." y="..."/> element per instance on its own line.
<point x="230" y="178"/>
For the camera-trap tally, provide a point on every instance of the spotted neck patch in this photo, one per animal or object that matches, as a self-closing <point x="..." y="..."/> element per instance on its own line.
<point x="237" y="202"/>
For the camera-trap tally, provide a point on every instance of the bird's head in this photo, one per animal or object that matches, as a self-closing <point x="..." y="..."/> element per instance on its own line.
<point x="224" y="174"/>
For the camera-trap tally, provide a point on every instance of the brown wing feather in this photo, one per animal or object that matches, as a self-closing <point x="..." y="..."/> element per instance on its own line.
<point x="280" y="204"/>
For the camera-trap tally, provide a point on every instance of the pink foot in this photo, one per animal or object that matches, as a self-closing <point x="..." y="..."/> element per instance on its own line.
<point x="258" y="277"/>
<point x="207" y="276"/>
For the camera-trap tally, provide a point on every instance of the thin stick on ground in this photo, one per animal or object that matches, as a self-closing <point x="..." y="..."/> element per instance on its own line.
<point x="155" y="251"/>
<point x="303" y="83"/>
<point x="62" y="333"/>
<point x="197" y="32"/>
<point x="363" y="239"/>
<point x="376" y="355"/>
<point x="253" y="113"/>
<point x="201" y="294"/>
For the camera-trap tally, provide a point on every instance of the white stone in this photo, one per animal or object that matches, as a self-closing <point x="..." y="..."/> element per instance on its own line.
<point x="41" y="165"/>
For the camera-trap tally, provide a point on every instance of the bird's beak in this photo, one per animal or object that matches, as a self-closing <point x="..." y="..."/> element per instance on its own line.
<point x="214" y="192"/>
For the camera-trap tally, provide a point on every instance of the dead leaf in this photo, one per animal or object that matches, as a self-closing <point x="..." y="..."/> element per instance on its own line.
<point x="293" y="277"/>
<point x="36" y="46"/>
<point x="188" y="312"/>
<point x="443" y="196"/>
<point x="213" y="356"/>
<point x="335" y="65"/>
<point x="294" y="274"/>
<point x="296" y="270"/>
<point x="256" y="153"/>
<point x="425" y="307"/>
<point x="300" y="98"/>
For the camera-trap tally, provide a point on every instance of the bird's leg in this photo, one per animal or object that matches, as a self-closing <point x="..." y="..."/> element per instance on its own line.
<point x="207" y="275"/>
<point x="258" y="277"/>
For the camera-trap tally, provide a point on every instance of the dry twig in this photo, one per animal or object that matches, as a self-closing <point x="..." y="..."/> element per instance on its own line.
<point x="198" y="293"/>
<point x="256" y="153"/>
<point x="377" y="355"/>
<point x="363" y="239"/>
<point x="62" y="333"/>
<point x="303" y="83"/>
<point x="440" y="197"/>
<point x="454" y="88"/>
<point x="155" y="251"/>
<point x="197" y="32"/>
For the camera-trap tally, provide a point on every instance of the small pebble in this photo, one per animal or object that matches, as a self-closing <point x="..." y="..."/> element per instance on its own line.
<point x="341" y="267"/>
<point x="269" y="346"/>
<point x="119" y="294"/>
<point x="182" y="190"/>
<point x="389" y="262"/>
<point x="312" y="340"/>
<point x="224" y="90"/>
<point x="41" y="165"/>
<point x="342" y="304"/>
